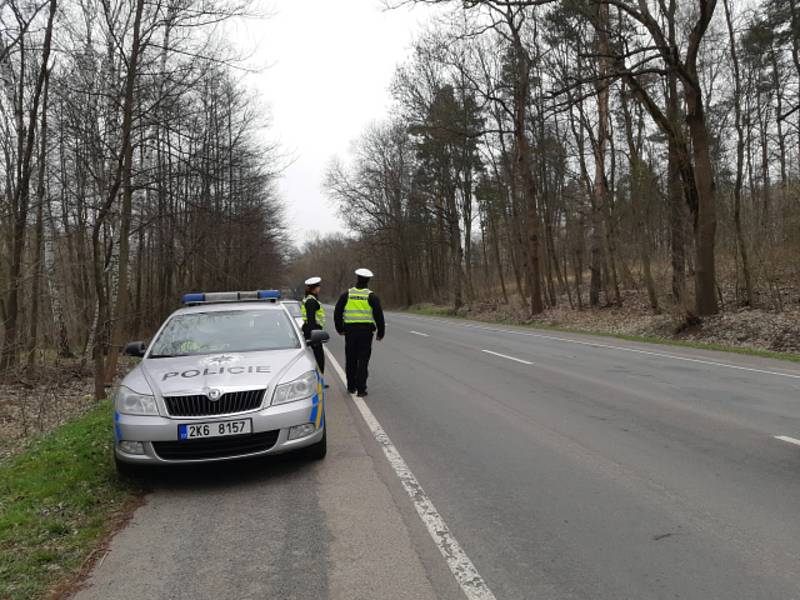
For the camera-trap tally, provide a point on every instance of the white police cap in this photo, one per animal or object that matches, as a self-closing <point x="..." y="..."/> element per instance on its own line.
<point x="366" y="273"/>
<point x="313" y="280"/>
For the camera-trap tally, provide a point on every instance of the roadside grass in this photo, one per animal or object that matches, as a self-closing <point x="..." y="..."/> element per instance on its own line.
<point x="59" y="499"/>
<point x="443" y="311"/>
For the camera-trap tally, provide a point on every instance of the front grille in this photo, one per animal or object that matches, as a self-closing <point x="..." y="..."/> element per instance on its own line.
<point x="238" y="445"/>
<point x="201" y="406"/>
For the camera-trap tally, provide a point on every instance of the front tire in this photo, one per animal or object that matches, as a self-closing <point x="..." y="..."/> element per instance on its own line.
<point x="320" y="449"/>
<point x="127" y="470"/>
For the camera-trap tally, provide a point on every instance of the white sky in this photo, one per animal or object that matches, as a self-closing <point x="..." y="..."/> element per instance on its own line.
<point x="331" y="65"/>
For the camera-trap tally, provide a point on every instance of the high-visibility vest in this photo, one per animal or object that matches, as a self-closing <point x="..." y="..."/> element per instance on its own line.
<point x="357" y="308"/>
<point x="320" y="314"/>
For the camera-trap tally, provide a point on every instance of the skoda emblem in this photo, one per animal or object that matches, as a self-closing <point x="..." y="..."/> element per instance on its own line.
<point x="214" y="394"/>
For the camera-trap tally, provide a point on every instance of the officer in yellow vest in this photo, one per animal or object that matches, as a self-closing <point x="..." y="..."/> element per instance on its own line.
<point x="358" y="316"/>
<point x="314" y="317"/>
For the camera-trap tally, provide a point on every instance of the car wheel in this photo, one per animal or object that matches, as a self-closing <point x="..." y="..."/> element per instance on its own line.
<point x="320" y="449"/>
<point x="127" y="470"/>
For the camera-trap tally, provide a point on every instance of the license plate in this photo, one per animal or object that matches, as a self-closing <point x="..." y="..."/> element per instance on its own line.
<point x="193" y="431"/>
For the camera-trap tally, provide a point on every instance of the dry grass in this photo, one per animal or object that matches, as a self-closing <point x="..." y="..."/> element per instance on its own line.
<point x="35" y="403"/>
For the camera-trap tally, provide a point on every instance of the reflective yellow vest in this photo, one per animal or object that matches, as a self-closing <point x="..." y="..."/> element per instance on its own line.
<point x="320" y="314"/>
<point x="357" y="308"/>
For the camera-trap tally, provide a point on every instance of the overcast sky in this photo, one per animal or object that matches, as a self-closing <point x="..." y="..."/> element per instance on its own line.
<point x="331" y="63"/>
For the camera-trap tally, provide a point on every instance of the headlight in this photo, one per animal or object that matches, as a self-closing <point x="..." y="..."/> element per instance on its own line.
<point x="129" y="402"/>
<point x="301" y="388"/>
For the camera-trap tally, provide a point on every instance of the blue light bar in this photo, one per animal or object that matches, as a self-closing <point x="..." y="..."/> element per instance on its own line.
<point x="191" y="298"/>
<point x="217" y="297"/>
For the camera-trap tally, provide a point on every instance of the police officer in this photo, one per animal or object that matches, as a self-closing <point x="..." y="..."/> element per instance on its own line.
<point x="358" y="315"/>
<point x="314" y="317"/>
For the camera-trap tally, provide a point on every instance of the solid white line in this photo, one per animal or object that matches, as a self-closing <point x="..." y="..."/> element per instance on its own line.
<point x="419" y="333"/>
<point x="519" y="360"/>
<point x="786" y="438"/>
<point x="467" y="576"/>
<point x="620" y="348"/>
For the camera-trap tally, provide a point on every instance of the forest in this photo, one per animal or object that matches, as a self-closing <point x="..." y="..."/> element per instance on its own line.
<point x="133" y="168"/>
<point x="538" y="154"/>
<point x="575" y="152"/>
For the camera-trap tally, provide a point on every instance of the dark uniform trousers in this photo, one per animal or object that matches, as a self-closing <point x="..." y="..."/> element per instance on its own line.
<point x="319" y="354"/>
<point x="357" y="350"/>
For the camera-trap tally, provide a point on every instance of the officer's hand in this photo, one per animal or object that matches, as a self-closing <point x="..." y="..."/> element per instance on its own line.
<point x="380" y="338"/>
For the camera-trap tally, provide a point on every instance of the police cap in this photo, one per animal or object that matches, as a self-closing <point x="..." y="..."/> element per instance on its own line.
<point x="313" y="280"/>
<point x="365" y="273"/>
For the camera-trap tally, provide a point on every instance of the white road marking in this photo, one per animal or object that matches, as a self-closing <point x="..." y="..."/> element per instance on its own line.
<point x="519" y="360"/>
<point x="467" y="576"/>
<point x="419" y="333"/>
<point x="786" y="438"/>
<point x="620" y="348"/>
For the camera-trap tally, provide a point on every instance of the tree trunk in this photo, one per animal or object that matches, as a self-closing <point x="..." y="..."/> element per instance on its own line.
<point x="532" y="219"/>
<point x="676" y="199"/>
<point x="525" y="164"/>
<point x="498" y="261"/>
<point x="599" y="209"/>
<point x="120" y="317"/>
<point x="38" y="260"/>
<point x="737" y="188"/>
<point x="54" y="294"/>
<point x="638" y="171"/>
<point x="456" y="251"/>
<point x="577" y="263"/>
<point x="122" y="171"/>
<point x="706" y="222"/>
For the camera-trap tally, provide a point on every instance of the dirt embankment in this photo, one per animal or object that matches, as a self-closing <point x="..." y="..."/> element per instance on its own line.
<point x="754" y="329"/>
<point x="38" y="401"/>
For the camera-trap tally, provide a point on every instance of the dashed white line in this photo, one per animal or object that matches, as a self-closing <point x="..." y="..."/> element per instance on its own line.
<point x="419" y="333"/>
<point x="619" y="348"/>
<point x="462" y="568"/>
<point x="519" y="360"/>
<point x="786" y="438"/>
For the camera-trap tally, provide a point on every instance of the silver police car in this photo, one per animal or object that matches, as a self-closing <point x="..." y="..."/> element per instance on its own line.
<point x="227" y="376"/>
<point x="295" y="308"/>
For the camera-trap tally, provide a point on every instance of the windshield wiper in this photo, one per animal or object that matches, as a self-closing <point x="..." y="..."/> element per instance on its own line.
<point x="165" y="355"/>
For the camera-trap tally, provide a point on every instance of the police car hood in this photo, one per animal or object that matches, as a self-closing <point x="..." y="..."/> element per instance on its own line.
<point x="188" y="375"/>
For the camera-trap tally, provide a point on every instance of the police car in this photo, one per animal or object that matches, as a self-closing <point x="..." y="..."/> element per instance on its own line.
<point x="228" y="375"/>
<point x="295" y="309"/>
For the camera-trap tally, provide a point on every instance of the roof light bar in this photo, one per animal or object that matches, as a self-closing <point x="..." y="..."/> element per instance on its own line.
<point x="217" y="297"/>
<point x="193" y="298"/>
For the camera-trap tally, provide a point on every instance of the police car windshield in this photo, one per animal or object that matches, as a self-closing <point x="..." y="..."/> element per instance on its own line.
<point x="225" y="331"/>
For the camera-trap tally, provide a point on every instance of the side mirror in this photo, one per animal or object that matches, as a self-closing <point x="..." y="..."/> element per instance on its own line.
<point x="136" y="349"/>
<point x="318" y="336"/>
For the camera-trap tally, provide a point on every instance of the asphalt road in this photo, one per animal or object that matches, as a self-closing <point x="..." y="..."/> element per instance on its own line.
<point x="567" y="467"/>
<point x="577" y="467"/>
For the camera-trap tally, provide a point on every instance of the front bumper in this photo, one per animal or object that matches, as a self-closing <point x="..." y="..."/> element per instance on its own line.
<point x="152" y="431"/>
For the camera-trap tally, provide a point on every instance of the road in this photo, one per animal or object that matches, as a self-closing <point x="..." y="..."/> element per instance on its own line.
<point x="566" y="466"/>
<point x="570" y="468"/>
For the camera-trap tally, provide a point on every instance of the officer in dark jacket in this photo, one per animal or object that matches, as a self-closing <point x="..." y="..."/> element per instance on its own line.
<point x="358" y="316"/>
<point x="314" y="317"/>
